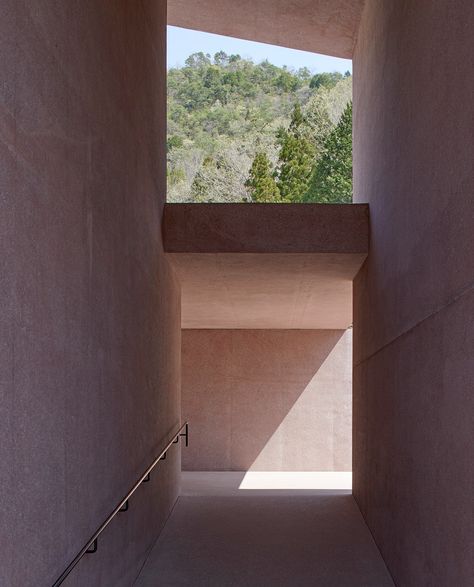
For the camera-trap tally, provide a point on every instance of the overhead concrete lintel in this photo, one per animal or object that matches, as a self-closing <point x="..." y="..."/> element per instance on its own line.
<point x="266" y="266"/>
<point x="266" y="228"/>
<point x="320" y="26"/>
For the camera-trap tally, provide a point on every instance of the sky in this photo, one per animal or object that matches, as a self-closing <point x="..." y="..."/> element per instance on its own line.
<point x="183" y="42"/>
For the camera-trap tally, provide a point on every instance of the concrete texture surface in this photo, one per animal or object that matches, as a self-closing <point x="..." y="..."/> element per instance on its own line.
<point x="89" y="320"/>
<point x="267" y="400"/>
<point x="266" y="228"/>
<point x="303" y="280"/>
<point x="413" y="299"/>
<point x="413" y="443"/>
<point x="266" y="291"/>
<point x="321" y="26"/>
<point x="288" y="539"/>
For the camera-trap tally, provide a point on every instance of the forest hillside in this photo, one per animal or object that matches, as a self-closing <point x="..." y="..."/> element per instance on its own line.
<point x="245" y="132"/>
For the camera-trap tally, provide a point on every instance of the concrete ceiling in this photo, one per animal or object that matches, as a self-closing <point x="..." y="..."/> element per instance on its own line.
<point x="255" y="290"/>
<point x="266" y="265"/>
<point x="320" y="26"/>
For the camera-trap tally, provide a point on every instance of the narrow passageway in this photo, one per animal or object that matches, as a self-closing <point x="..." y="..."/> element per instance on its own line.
<point x="220" y="535"/>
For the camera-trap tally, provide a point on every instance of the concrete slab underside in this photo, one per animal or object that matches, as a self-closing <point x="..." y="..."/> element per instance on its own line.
<point x="255" y="290"/>
<point x="266" y="266"/>
<point x="321" y="26"/>
<point x="282" y="538"/>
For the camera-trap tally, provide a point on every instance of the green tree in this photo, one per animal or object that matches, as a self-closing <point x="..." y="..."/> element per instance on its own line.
<point x="295" y="160"/>
<point x="197" y="60"/>
<point x="331" y="182"/>
<point x="304" y="74"/>
<point x="287" y="81"/>
<point x="317" y="122"/>
<point x="326" y="80"/>
<point x="261" y="184"/>
<point x="174" y="142"/>
<point x="200" y="186"/>
<point x="221" y="58"/>
<point x="223" y="108"/>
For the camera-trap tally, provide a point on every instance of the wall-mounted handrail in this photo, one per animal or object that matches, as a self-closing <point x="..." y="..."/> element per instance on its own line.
<point x="91" y="545"/>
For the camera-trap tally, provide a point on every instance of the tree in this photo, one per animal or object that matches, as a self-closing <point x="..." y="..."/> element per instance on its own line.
<point x="220" y="179"/>
<point x="175" y="176"/>
<point x="326" y="80"/>
<point x="174" y="142"/>
<point x="287" y="81"/>
<point x="323" y="111"/>
<point x="261" y="184"/>
<point x="317" y="121"/>
<point x="212" y="81"/>
<point x="332" y="178"/>
<point x="223" y="109"/>
<point x="295" y="160"/>
<point x="197" y="60"/>
<point x="221" y="58"/>
<point x="304" y="74"/>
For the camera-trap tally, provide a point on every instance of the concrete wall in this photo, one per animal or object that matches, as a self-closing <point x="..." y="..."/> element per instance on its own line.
<point x="267" y="400"/>
<point x="89" y="318"/>
<point x="414" y="298"/>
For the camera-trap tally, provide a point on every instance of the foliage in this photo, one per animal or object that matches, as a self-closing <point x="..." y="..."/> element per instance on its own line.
<point x="261" y="184"/>
<point x="174" y="142"/>
<point x="175" y="176"/>
<point x="295" y="159"/>
<point x="327" y="80"/>
<point x="332" y="178"/>
<point x="244" y="131"/>
<point x="222" y="175"/>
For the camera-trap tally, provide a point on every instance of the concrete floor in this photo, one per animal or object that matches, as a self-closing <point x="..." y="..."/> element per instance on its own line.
<point x="223" y="536"/>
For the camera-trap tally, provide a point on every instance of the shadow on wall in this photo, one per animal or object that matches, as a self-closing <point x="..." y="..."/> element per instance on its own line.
<point x="267" y="400"/>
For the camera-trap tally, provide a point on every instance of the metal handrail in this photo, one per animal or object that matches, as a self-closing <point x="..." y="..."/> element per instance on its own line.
<point x="91" y="545"/>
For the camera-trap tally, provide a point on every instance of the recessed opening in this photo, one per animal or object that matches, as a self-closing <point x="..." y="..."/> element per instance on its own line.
<point x="252" y="122"/>
<point x="266" y="339"/>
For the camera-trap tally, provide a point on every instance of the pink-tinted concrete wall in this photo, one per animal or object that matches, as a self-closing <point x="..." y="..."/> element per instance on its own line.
<point x="89" y="317"/>
<point x="414" y="298"/>
<point x="266" y="228"/>
<point x="267" y="400"/>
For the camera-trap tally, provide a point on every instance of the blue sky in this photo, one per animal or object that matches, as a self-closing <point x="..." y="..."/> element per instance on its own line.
<point x="184" y="42"/>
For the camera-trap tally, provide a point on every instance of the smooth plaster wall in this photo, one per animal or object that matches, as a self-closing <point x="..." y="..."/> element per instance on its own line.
<point x="414" y="297"/>
<point x="89" y="318"/>
<point x="267" y="400"/>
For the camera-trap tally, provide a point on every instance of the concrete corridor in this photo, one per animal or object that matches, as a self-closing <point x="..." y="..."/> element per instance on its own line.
<point x="221" y="536"/>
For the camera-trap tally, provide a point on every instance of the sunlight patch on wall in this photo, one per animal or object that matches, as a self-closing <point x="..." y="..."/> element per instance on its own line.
<point x="319" y="422"/>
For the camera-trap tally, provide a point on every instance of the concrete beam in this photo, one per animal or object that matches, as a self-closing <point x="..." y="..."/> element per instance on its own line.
<point x="266" y="266"/>
<point x="266" y="228"/>
<point x="320" y="26"/>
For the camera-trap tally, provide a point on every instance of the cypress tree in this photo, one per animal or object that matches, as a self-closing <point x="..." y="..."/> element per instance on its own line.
<point x="296" y="159"/>
<point x="260" y="184"/>
<point x="332" y="178"/>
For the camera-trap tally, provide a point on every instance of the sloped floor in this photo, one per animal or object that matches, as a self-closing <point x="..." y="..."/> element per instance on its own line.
<point x="220" y="535"/>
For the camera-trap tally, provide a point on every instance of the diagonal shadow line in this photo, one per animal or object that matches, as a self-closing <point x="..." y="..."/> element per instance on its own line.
<point x="248" y="394"/>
